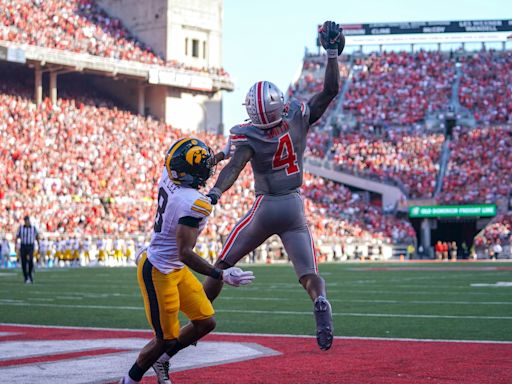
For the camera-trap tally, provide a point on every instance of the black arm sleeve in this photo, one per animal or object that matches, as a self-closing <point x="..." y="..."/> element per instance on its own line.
<point x="320" y="101"/>
<point x="189" y="221"/>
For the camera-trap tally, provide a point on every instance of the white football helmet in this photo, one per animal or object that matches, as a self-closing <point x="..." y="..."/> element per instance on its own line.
<point x="265" y="104"/>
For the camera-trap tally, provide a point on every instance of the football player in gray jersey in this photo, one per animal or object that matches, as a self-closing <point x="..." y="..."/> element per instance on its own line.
<point x="274" y="142"/>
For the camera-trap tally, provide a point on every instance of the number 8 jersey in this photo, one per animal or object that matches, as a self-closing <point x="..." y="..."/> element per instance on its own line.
<point x="278" y="152"/>
<point x="174" y="202"/>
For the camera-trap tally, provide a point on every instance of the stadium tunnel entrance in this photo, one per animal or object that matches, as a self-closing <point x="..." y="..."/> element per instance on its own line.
<point x="460" y="230"/>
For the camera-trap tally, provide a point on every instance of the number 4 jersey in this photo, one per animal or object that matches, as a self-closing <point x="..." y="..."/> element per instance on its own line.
<point x="174" y="202"/>
<point x="278" y="152"/>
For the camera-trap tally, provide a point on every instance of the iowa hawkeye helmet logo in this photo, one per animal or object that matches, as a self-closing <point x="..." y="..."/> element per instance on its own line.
<point x="195" y="155"/>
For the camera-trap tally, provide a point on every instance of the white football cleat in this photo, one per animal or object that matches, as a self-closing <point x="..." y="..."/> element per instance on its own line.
<point x="162" y="372"/>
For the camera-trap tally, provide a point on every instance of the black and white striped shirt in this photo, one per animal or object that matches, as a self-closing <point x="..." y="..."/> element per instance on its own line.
<point x="27" y="235"/>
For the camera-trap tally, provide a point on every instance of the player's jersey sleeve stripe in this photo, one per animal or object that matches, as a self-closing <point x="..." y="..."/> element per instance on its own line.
<point x="203" y="204"/>
<point x="201" y="211"/>
<point x="238" y="138"/>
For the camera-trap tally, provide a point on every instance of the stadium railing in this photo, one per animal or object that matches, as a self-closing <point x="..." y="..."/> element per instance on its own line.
<point x="155" y="74"/>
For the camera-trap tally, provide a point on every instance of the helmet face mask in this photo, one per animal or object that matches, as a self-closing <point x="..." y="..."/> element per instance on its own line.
<point x="264" y="104"/>
<point x="190" y="162"/>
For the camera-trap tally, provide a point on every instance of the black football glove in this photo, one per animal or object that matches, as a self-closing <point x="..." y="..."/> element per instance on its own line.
<point x="331" y="37"/>
<point x="214" y="195"/>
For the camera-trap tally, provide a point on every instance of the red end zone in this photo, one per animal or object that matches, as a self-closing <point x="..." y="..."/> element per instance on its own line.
<point x="283" y="360"/>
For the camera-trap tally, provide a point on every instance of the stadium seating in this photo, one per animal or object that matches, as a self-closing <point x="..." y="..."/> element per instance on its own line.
<point x="409" y="160"/>
<point x="485" y="85"/>
<point x="88" y="167"/>
<point x="480" y="166"/>
<point x="79" y="26"/>
<point x="400" y="87"/>
<point x="337" y="213"/>
<point x="500" y="230"/>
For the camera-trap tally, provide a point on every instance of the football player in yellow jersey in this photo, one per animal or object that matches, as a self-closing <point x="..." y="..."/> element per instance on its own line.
<point x="165" y="280"/>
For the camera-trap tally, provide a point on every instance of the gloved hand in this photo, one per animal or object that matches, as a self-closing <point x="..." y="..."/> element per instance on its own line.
<point x="139" y="253"/>
<point x="214" y="195"/>
<point x="228" y="150"/>
<point x="235" y="276"/>
<point x="332" y="39"/>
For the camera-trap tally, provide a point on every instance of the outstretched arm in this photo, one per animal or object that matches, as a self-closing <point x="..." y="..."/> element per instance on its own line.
<point x="332" y="39"/>
<point x="231" y="171"/>
<point x="186" y="238"/>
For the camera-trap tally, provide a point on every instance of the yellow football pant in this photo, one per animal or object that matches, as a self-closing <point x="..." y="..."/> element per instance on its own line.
<point x="165" y="295"/>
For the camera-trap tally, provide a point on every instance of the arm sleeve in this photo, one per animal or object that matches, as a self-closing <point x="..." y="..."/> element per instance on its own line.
<point x="189" y="221"/>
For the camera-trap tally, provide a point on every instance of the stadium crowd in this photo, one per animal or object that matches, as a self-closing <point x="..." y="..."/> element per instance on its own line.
<point x="499" y="231"/>
<point x="342" y="214"/>
<point x="486" y="85"/>
<point x="79" y="26"/>
<point x="399" y="87"/>
<point x="409" y="160"/>
<point x="85" y="167"/>
<point x="480" y="166"/>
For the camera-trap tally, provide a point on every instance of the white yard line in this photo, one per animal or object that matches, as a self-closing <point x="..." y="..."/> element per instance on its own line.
<point x="262" y="312"/>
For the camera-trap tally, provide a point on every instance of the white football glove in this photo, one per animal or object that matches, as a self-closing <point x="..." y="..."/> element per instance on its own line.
<point x="236" y="277"/>
<point x="228" y="149"/>
<point x="139" y="253"/>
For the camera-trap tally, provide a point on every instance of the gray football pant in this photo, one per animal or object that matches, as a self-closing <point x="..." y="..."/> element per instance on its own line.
<point x="274" y="215"/>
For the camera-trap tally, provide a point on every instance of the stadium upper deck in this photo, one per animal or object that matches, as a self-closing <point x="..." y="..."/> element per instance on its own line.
<point x="79" y="26"/>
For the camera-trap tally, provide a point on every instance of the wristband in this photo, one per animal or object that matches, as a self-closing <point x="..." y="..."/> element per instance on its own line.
<point x="215" y="191"/>
<point x="332" y="53"/>
<point x="216" y="273"/>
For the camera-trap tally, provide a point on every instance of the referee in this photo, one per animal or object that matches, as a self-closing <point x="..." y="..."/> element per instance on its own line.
<point x="27" y="234"/>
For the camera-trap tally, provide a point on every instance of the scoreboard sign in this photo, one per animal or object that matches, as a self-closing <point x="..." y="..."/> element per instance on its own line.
<point x="463" y="26"/>
<point x="480" y="210"/>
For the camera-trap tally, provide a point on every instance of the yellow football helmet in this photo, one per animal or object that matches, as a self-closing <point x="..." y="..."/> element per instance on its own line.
<point x="190" y="162"/>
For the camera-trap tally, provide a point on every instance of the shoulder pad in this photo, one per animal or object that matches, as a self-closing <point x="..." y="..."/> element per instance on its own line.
<point x="240" y="134"/>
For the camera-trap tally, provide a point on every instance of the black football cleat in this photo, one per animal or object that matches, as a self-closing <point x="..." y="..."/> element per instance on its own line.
<point x="162" y="372"/>
<point x="324" y="328"/>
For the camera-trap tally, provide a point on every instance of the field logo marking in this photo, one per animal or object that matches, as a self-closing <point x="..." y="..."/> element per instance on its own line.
<point x="38" y="352"/>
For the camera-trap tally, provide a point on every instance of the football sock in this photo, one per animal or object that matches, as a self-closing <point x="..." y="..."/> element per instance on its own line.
<point x="171" y="351"/>
<point x="165" y="357"/>
<point x="135" y="374"/>
<point x="128" y="380"/>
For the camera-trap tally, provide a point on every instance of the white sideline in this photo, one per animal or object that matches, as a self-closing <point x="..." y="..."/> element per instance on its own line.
<point x="406" y="339"/>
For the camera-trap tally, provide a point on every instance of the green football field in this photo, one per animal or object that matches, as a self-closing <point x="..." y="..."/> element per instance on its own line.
<point x="468" y="301"/>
